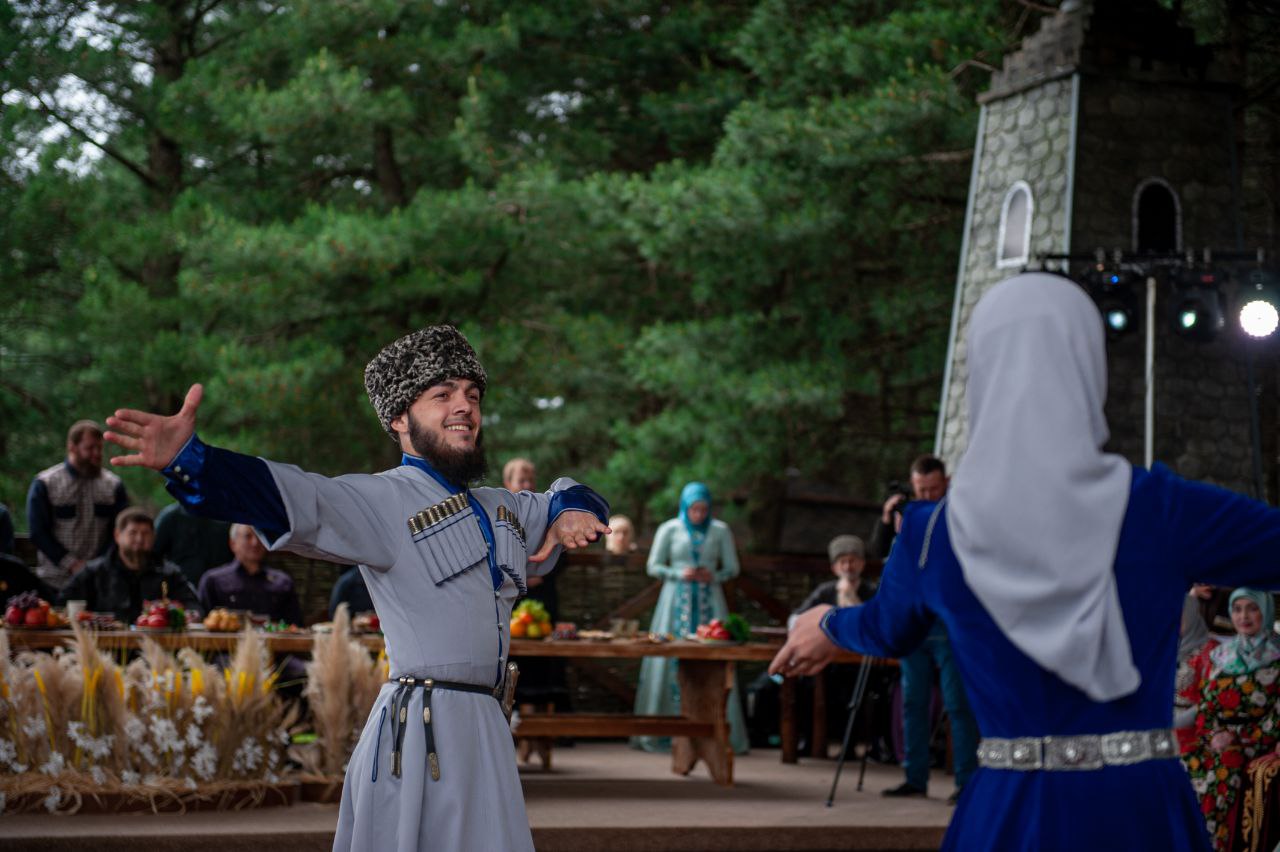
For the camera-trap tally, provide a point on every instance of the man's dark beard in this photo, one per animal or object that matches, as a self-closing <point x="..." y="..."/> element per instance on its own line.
<point x="461" y="467"/>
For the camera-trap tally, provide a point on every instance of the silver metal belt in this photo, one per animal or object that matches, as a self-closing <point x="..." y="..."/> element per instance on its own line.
<point x="1079" y="752"/>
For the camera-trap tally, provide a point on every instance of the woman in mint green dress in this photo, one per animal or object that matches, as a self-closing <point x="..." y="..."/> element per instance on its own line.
<point x="692" y="554"/>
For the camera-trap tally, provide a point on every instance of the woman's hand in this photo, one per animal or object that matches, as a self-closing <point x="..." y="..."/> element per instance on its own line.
<point x="808" y="650"/>
<point x="689" y="573"/>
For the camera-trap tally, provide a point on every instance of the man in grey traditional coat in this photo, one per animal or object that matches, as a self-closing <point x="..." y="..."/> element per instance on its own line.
<point x="434" y="767"/>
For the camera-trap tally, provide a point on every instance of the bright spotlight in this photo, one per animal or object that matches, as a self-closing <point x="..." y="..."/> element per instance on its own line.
<point x="1259" y="318"/>
<point x="1258" y="300"/>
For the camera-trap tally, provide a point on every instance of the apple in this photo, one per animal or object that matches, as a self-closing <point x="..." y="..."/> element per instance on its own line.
<point x="13" y="616"/>
<point x="35" y="618"/>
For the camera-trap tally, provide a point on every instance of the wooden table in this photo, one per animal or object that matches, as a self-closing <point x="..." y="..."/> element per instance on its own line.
<point x="706" y="673"/>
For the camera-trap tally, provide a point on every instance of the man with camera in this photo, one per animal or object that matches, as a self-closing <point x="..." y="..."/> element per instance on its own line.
<point x="928" y="483"/>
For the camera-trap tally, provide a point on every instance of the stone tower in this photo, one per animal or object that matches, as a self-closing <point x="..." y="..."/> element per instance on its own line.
<point x="1111" y="128"/>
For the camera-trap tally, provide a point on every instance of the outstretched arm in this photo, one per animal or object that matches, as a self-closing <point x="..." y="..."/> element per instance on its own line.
<point x="208" y="481"/>
<point x="577" y="517"/>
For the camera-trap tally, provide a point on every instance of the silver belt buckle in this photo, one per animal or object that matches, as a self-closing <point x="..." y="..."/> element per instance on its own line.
<point x="1125" y="747"/>
<point x="1076" y="752"/>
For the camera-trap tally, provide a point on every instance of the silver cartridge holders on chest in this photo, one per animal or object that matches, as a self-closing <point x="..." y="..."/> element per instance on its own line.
<point x="431" y="515"/>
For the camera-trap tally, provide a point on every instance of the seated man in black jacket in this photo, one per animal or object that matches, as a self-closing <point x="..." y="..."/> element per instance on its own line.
<point x="848" y="557"/>
<point x="129" y="573"/>
<point x="848" y="587"/>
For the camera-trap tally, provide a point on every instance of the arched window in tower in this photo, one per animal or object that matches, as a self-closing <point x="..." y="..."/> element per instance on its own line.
<point x="1015" y="226"/>
<point x="1157" y="217"/>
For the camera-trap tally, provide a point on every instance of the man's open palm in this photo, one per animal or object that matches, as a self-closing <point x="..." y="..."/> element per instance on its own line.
<point x="153" y="439"/>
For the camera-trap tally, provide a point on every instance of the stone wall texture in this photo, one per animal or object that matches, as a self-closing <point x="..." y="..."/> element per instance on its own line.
<point x="1128" y="131"/>
<point x="1025" y="137"/>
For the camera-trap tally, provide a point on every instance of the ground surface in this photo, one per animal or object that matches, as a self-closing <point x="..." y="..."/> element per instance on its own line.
<point x="601" y="796"/>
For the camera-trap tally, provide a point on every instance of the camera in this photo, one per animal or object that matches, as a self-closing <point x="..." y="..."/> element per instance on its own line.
<point x="897" y="488"/>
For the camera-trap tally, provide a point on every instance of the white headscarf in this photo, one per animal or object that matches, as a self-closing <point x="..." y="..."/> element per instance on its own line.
<point x="1035" y="506"/>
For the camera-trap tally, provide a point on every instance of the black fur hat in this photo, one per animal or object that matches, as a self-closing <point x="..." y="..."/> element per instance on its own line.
<point x="399" y="374"/>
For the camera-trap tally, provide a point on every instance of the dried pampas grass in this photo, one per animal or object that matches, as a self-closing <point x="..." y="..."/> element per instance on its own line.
<point x="74" y="722"/>
<point x="343" y="680"/>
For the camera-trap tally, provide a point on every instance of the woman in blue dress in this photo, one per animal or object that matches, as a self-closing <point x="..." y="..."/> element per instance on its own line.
<point x="692" y="554"/>
<point x="1059" y="571"/>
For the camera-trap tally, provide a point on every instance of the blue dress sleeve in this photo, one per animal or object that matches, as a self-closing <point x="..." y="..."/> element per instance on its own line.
<point x="895" y="621"/>
<point x="1222" y="538"/>
<point x="216" y="483"/>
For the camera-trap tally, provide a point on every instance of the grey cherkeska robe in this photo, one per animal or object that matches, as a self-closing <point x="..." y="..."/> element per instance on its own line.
<point x="442" y="619"/>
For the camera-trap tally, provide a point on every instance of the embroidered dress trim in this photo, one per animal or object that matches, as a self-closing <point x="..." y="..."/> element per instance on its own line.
<point x="1079" y="752"/>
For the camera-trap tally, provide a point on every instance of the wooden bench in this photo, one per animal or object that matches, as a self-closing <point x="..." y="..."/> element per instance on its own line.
<point x="700" y="732"/>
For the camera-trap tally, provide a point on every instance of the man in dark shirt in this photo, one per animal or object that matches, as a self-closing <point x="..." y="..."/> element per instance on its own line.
<point x="194" y="544"/>
<point x="129" y="574"/>
<point x="245" y="583"/>
<point x="928" y="482"/>
<point x="352" y="591"/>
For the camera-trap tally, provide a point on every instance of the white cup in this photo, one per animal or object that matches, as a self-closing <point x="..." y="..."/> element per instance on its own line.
<point x="74" y="608"/>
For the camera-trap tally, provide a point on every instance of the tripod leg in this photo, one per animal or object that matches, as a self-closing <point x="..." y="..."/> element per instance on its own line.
<point x="855" y="701"/>
<point x="862" y="772"/>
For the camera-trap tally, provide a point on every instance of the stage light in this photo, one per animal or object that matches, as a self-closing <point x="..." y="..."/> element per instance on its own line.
<point x="1198" y="312"/>
<point x="1113" y="291"/>
<point x="1259" y="316"/>
<point x="1118" y="319"/>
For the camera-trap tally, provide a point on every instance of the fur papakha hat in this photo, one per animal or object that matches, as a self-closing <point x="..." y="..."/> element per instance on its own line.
<point x="399" y="374"/>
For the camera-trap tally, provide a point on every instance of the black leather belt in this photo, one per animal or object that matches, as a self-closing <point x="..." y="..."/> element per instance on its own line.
<point x="400" y="714"/>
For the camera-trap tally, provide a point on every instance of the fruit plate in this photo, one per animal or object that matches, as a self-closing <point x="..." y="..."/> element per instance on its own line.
<point x="141" y="629"/>
<point x="35" y="629"/>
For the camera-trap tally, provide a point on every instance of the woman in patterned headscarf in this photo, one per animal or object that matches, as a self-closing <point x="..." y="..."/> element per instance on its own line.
<point x="693" y="554"/>
<point x="1239" y="717"/>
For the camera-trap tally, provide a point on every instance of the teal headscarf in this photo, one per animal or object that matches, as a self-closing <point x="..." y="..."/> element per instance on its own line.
<point x="1245" y="654"/>
<point x="695" y="492"/>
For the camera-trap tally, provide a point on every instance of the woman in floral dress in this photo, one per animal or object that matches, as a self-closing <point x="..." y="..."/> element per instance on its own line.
<point x="1239" y="718"/>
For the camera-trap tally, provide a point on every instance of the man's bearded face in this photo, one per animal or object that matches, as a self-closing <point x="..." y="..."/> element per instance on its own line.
<point x="459" y="465"/>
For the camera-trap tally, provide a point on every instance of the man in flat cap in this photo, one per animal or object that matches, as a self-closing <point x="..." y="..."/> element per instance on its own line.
<point x="444" y="563"/>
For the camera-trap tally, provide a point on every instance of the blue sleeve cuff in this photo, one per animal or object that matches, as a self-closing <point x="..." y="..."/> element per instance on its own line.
<point x="215" y="483"/>
<point x="825" y="625"/>
<point x="578" y="498"/>
<point x="188" y="464"/>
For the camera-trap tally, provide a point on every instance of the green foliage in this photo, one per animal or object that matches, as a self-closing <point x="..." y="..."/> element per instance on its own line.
<point x="722" y="234"/>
